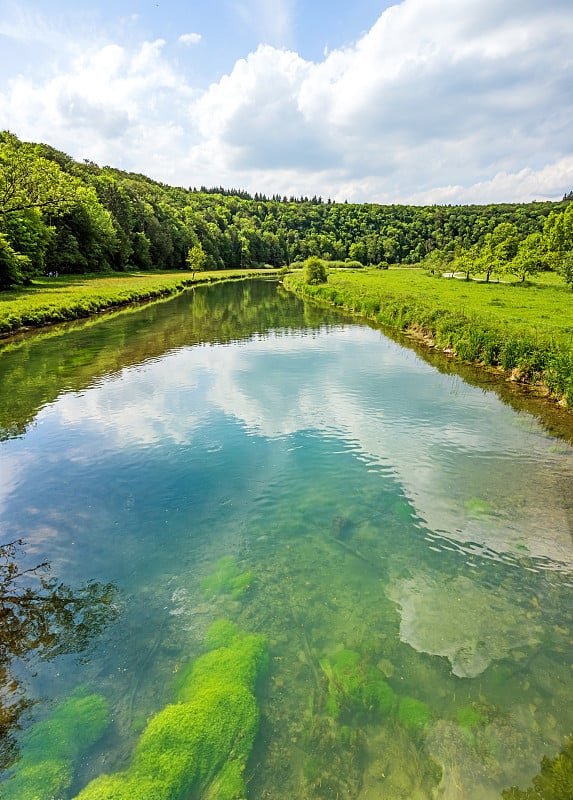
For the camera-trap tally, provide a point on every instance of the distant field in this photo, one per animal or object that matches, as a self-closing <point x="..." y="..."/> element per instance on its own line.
<point x="542" y="306"/>
<point x="50" y="300"/>
<point x="527" y="329"/>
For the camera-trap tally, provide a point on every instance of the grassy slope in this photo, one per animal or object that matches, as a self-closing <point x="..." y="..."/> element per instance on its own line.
<point x="524" y="328"/>
<point x="50" y="300"/>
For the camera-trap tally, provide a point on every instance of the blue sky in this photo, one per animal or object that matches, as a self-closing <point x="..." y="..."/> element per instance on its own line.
<point x="423" y="101"/>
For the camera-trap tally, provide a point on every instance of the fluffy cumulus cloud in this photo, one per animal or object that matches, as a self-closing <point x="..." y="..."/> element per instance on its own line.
<point x="440" y="101"/>
<point x="110" y="104"/>
<point x="437" y="100"/>
<point x="189" y="38"/>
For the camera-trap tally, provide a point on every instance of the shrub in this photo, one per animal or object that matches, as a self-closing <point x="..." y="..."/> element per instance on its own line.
<point x="315" y="271"/>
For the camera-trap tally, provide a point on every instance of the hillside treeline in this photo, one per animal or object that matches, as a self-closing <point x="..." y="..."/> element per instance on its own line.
<point x="61" y="216"/>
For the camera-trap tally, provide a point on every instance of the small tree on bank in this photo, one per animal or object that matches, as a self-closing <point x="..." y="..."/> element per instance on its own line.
<point x="314" y="270"/>
<point x="196" y="259"/>
<point x="529" y="259"/>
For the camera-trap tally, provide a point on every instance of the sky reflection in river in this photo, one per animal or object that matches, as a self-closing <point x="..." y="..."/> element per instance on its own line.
<point x="465" y="461"/>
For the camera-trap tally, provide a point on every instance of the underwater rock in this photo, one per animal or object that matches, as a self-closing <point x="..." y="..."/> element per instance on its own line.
<point x="462" y="769"/>
<point x="397" y="769"/>
<point x="199" y="746"/>
<point x="51" y="748"/>
<point x="459" y="619"/>
<point x="477" y="757"/>
<point x="342" y="528"/>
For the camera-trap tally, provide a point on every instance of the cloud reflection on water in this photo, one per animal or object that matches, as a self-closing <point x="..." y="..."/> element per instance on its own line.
<point x="474" y="470"/>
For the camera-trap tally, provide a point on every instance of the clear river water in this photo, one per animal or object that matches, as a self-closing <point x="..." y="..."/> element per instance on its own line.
<point x="234" y="453"/>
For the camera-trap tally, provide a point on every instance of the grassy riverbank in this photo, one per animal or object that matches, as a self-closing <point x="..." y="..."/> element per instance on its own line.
<point x="49" y="300"/>
<point x="525" y="329"/>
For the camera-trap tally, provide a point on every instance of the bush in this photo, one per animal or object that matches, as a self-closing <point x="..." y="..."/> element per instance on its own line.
<point x="315" y="271"/>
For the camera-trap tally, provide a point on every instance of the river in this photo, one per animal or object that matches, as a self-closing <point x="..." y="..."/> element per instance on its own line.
<point x="379" y="521"/>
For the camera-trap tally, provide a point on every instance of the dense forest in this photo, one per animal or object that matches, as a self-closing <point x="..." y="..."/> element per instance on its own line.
<point x="61" y="216"/>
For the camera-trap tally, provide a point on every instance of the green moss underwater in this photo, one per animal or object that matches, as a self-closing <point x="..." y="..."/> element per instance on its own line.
<point x="226" y="579"/>
<point x="51" y="748"/>
<point x="198" y="746"/>
<point x="354" y="685"/>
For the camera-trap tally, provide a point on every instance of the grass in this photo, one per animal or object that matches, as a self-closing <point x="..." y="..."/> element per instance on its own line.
<point x="49" y="300"/>
<point x="544" y="306"/>
<point x="526" y="329"/>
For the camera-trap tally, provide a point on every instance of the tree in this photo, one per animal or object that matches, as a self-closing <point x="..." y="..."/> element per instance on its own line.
<point x="500" y="249"/>
<point x="437" y="261"/>
<point x="529" y="259"/>
<point x="358" y="251"/>
<point x="140" y="251"/>
<point x="467" y="261"/>
<point x="558" y="236"/>
<point x="30" y="181"/>
<point x="196" y="259"/>
<point x="11" y="264"/>
<point x="314" y="270"/>
<point x="566" y="268"/>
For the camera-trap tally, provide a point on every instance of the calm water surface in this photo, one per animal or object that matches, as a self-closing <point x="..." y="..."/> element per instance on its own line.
<point x="389" y="515"/>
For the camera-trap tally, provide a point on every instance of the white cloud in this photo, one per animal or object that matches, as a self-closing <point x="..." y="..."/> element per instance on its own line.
<point x="430" y="93"/>
<point x="113" y="104"/>
<point x="189" y="38"/>
<point x="438" y="102"/>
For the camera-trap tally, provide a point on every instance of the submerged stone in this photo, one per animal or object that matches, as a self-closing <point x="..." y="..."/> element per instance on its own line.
<point x="468" y="624"/>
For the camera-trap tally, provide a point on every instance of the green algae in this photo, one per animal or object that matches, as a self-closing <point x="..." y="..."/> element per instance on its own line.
<point x="469" y="717"/>
<point x="477" y="507"/>
<point x="355" y="685"/>
<point x="198" y="746"/>
<point x="221" y="633"/>
<point x="239" y="661"/>
<point x="51" y="748"/>
<point x="414" y="715"/>
<point x="226" y="579"/>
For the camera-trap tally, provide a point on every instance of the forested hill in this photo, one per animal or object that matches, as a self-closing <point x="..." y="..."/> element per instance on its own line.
<point x="60" y="215"/>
